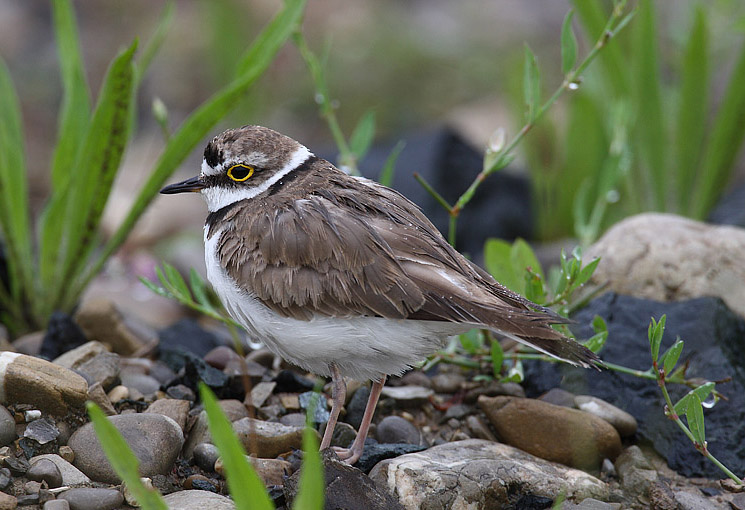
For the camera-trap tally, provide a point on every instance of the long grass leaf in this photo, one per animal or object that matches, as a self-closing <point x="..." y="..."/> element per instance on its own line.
<point x="568" y="44"/>
<point x="650" y="127"/>
<point x="692" y="110"/>
<point x="123" y="460"/>
<point x="389" y="167"/>
<point x="531" y="84"/>
<point x="75" y="110"/>
<point x="245" y="486"/>
<point x="312" y="484"/>
<point x="725" y="142"/>
<point x="198" y="124"/>
<point x="96" y="166"/>
<point x="14" y="220"/>
<point x="362" y="136"/>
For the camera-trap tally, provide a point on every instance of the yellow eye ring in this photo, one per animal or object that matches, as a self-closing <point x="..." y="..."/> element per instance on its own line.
<point x="240" y="173"/>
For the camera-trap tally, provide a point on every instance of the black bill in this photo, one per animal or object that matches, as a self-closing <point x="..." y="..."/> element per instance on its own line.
<point x="189" y="185"/>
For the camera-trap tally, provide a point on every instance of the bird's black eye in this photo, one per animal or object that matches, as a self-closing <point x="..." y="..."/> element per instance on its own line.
<point x="240" y="173"/>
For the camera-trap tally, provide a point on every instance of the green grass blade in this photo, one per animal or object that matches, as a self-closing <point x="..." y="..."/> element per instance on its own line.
<point x="531" y="85"/>
<point x="692" y="111"/>
<point x="647" y="97"/>
<point x="245" y="486"/>
<point x="123" y="460"/>
<point x="389" y="167"/>
<point x="725" y="142"/>
<point x="198" y="124"/>
<point x="96" y="167"/>
<point x="75" y="110"/>
<point x="362" y="136"/>
<point x="14" y="213"/>
<point x="312" y="485"/>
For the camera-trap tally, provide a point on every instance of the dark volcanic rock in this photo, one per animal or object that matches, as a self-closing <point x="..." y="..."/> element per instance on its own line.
<point x="715" y="346"/>
<point x="188" y="335"/>
<point x="289" y="381"/>
<point x="62" y="335"/>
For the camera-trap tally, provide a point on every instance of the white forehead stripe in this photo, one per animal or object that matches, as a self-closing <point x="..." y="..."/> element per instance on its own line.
<point x="218" y="197"/>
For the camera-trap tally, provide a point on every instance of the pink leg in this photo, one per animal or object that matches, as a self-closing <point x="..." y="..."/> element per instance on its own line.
<point x="352" y="455"/>
<point x="338" y="395"/>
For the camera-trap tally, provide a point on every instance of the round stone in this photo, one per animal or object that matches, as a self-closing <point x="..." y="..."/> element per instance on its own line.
<point x="155" y="439"/>
<point x="394" y="429"/>
<point x="44" y="470"/>
<point x="622" y="421"/>
<point x="57" y="504"/>
<point x="205" y="455"/>
<point x="7" y="427"/>
<point x="93" y="499"/>
<point x="198" y="500"/>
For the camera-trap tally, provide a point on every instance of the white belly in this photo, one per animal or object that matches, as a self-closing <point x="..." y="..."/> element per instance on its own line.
<point x="363" y="347"/>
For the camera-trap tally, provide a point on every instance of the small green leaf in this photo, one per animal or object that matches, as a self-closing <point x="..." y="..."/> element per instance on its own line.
<point x="702" y="393"/>
<point x="523" y="257"/>
<point x="695" y="418"/>
<point x="568" y="44"/>
<point x="596" y="342"/>
<point x="199" y="288"/>
<point x="497" y="357"/>
<point x="362" y="136"/>
<point x="154" y="287"/>
<point x="245" y="486"/>
<point x="531" y="85"/>
<point x="123" y="460"/>
<point x="586" y="273"/>
<point x="177" y="283"/>
<point x="498" y="262"/>
<point x="670" y="357"/>
<point x="472" y="341"/>
<point x="386" y="173"/>
<point x="655" y="332"/>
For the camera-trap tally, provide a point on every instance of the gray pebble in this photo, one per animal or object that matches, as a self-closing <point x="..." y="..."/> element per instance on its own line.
<point x="356" y="406"/>
<point x="7" y="427"/>
<point x="155" y="439"/>
<point x="293" y="420"/>
<point x="92" y="499"/>
<point x="622" y="421"/>
<point x="146" y="384"/>
<point x="47" y="471"/>
<point x="103" y="368"/>
<point x="394" y="429"/>
<point x="57" y="504"/>
<point x="42" y="431"/>
<point x="343" y="435"/>
<point x="5" y="478"/>
<point x="70" y="474"/>
<point x="198" y="500"/>
<point x="458" y="411"/>
<point x="205" y="455"/>
<point x="559" y="397"/>
<point x="447" y="383"/>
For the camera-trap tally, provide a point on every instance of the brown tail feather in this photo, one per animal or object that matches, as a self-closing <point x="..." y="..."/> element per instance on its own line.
<point x="565" y="349"/>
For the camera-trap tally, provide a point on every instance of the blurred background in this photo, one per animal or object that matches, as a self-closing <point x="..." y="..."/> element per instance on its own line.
<point x="434" y="72"/>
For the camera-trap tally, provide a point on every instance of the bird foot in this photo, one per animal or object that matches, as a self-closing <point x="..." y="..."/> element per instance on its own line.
<point x="348" y="455"/>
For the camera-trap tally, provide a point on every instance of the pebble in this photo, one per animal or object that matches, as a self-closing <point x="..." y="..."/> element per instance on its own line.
<point x="103" y="368"/>
<point x="73" y="358"/>
<point x="290" y="401"/>
<point x="100" y="319"/>
<point x="458" y="411"/>
<point x="635" y="471"/>
<point x="447" y="383"/>
<point x="220" y="356"/>
<point x="177" y="410"/>
<point x="289" y="381"/>
<point x="412" y="378"/>
<point x="262" y="356"/>
<point x="70" y="474"/>
<point x="375" y="453"/>
<point x="271" y="439"/>
<point x="198" y="500"/>
<point x="7" y="427"/>
<point x="343" y="435"/>
<point x="408" y="395"/>
<point x="97" y="395"/>
<point x="568" y="436"/>
<point x="239" y="367"/>
<point x="198" y="433"/>
<point x="7" y="502"/>
<point x="261" y="392"/>
<point x="145" y="384"/>
<point x="57" y="504"/>
<point x="66" y="453"/>
<point x="92" y="499"/>
<point x="356" y="406"/>
<point x="394" y="429"/>
<point x="28" y="500"/>
<point x="129" y="497"/>
<point x="205" y="456"/>
<point x="271" y="471"/>
<point x="181" y="392"/>
<point x="623" y="422"/>
<point x="233" y="409"/>
<point x="321" y="413"/>
<point x="591" y="504"/>
<point x="17" y="465"/>
<point x="188" y="335"/>
<point x="200" y="482"/>
<point x="5" y="478"/>
<point x="493" y="389"/>
<point x="32" y="487"/>
<point x="118" y="393"/>
<point x="49" y="387"/>
<point x="155" y="439"/>
<point x="47" y="471"/>
<point x="477" y="474"/>
<point x="42" y="431"/>
<point x="293" y="420"/>
<point x="559" y="397"/>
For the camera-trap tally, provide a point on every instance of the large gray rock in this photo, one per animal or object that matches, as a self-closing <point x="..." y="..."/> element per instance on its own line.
<point x="155" y="439"/>
<point x="479" y="475"/>
<point x="198" y="500"/>
<point x="93" y="499"/>
<point x="7" y="427"/>
<point x="669" y="258"/>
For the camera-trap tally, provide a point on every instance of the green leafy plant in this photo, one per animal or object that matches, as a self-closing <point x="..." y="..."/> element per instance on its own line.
<point x="245" y="486"/>
<point x="631" y="141"/>
<point x="500" y="153"/>
<point x="69" y="250"/>
<point x="690" y="405"/>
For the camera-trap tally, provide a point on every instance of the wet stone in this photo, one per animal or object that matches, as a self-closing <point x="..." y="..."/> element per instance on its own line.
<point x="321" y="413"/>
<point x="17" y="465"/>
<point x="199" y="482"/>
<point x="181" y="392"/>
<point x="92" y="499"/>
<point x="43" y="431"/>
<point x="622" y="421"/>
<point x="289" y="381"/>
<point x="374" y="453"/>
<point x="47" y="471"/>
<point x="7" y="427"/>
